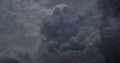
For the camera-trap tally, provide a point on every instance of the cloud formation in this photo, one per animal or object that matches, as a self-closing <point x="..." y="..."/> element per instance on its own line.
<point x="58" y="31"/>
<point x="70" y="38"/>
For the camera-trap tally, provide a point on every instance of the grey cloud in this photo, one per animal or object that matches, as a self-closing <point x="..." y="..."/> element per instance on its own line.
<point x="52" y="31"/>
<point x="70" y="39"/>
<point x="15" y="55"/>
<point x="109" y="46"/>
<point x="20" y="23"/>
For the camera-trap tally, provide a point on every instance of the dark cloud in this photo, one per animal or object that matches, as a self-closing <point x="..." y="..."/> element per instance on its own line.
<point x="59" y="31"/>
<point x="110" y="32"/>
<point x="15" y="55"/>
<point x="19" y="28"/>
<point x="70" y="37"/>
<point x="111" y="7"/>
<point x="8" y="60"/>
<point x="20" y="23"/>
<point x="75" y="3"/>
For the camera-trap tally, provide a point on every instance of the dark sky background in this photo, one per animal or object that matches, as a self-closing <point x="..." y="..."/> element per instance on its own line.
<point x="59" y="31"/>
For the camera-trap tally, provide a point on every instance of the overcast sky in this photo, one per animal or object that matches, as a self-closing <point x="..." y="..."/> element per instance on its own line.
<point x="50" y="31"/>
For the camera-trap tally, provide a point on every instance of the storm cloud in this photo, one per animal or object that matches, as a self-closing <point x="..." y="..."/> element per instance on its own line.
<point x="70" y="37"/>
<point x="59" y="31"/>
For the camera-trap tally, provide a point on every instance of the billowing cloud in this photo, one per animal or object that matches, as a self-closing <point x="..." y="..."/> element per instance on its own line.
<point x="56" y="31"/>
<point x="70" y="38"/>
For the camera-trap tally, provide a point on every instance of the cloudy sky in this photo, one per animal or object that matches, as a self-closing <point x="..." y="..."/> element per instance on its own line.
<point x="57" y="31"/>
